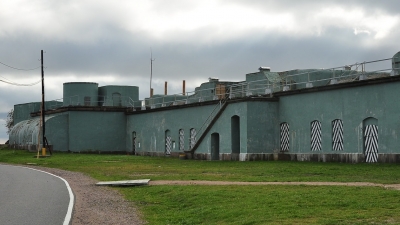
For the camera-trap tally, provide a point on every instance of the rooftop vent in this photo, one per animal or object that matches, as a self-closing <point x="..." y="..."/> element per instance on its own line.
<point x="264" y="69"/>
<point x="213" y="79"/>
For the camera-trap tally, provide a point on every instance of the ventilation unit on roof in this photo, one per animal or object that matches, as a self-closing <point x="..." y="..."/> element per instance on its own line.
<point x="264" y="69"/>
<point x="212" y="79"/>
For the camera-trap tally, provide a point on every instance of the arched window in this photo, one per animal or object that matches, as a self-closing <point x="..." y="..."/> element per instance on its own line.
<point x="168" y="142"/>
<point x="337" y="135"/>
<point x="370" y="126"/>
<point x="285" y="137"/>
<point x="133" y="142"/>
<point x="181" y="140"/>
<point x="192" y="138"/>
<point x="316" y="137"/>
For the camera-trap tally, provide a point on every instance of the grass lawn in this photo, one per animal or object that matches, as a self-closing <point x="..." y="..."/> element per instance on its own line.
<point x="266" y="204"/>
<point x="240" y="204"/>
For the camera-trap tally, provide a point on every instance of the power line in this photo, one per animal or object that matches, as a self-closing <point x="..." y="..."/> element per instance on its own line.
<point x="20" y="68"/>
<point x="17" y="84"/>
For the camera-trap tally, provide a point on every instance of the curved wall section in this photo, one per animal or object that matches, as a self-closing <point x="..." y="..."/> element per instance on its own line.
<point x="80" y="93"/>
<point x="24" y="134"/>
<point x="121" y="96"/>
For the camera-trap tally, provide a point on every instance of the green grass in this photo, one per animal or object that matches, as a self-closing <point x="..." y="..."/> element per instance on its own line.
<point x="117" y="167"/>
<point x="240" y="204"/>
<point x="266" y="204"/>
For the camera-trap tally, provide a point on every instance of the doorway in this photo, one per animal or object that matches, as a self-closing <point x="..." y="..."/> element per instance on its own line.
<point x="215" y="146"/>
<point x="235" y="134"/>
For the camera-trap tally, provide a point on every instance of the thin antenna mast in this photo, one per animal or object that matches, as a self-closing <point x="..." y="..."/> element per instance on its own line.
<point x="151" y="70"/>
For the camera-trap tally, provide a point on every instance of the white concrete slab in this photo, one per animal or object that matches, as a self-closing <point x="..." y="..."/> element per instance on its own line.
<point x="124" y="183"/>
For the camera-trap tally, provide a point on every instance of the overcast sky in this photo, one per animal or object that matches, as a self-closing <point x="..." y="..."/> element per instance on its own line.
<point x="109" y="42"/>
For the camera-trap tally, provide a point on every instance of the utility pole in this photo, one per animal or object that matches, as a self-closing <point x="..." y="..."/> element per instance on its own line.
<point x="43" y="112"/>
<point x="151" y="70"/>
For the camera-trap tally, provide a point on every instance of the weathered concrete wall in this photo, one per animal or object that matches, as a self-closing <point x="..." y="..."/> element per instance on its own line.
<point x="25" y="134"/>
<point x="257" y="130"/>
<point x="352" y="106"/>
<point x="150" y="127"/>
<point x="223" y="127"/>
<point x="158" y="101"/>
<point x="57" y="132"/>
<point x="74" y="93"/>
<point x="125" y="92"/>
<point x="262" y="129"/>
<point x="97" y="131"/>
<point x="23" y="111"/>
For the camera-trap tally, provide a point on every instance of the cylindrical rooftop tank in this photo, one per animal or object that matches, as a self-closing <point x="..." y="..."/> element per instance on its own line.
<point x="396" y="63"/>
<point x="121" y="96"/>
<point x="80" y="93"/>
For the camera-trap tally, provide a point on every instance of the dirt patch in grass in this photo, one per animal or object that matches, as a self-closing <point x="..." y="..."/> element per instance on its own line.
<point x="203" y="182"/>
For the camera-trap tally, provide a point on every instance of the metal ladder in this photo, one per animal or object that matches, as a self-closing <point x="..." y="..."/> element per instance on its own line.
<point x="211" y="119"/>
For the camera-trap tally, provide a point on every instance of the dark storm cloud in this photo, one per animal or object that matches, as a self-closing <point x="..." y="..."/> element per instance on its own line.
<point x="98" y="43"/>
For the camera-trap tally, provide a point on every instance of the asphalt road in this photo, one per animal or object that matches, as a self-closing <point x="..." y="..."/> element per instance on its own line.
<point x="33" y="197"/>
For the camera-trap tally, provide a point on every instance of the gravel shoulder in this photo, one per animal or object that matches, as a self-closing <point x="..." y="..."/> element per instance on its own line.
<point x="95" y="204"/>
<point x="104" y="205"/>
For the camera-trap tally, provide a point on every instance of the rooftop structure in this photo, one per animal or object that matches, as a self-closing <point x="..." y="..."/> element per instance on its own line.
<point x="346" y="114"/>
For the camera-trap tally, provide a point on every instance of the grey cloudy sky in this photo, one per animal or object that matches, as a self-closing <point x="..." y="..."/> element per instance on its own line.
<point x="109" y="42"/>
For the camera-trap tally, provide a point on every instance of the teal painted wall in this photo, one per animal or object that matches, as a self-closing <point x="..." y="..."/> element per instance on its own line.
<point x="150" y="127"/>
<point x="57" y="132"/>
<point x="97" y="131"/>
<point x="352" y="106"/>
<point x="126" y="92"/>
<point x="262" y="129"/>
<point x="257" y="83"/>
<point x="26" y="132"/>
<point x="158" y="101"/>
<point x="23" y="111"/>
<point x="258" y="129"/>
<point x="74" y="93"/>
<point x="205" y="92"/>
<point x="223" y="127"/>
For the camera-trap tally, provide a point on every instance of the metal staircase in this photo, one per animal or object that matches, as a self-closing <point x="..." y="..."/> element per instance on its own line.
<point x="211" y="119"/>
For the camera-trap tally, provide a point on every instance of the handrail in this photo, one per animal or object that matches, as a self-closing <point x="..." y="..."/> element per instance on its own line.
<point x="210" y="117"/>
<point x="260" y="86"/>
<point x="209" y="121"/>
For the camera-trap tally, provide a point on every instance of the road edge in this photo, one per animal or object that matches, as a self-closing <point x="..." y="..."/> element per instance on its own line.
<point x="68" y="216"/>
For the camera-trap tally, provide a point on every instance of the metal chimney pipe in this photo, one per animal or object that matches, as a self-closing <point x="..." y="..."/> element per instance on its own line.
<point x="183" y="87"/>
<point x="165" y="88"/>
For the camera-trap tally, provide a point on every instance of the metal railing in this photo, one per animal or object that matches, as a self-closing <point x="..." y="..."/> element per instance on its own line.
<point x="288" y="80"/>
<point x="210" y="118"/>
<point x="100" y="100"/>
<point x="284" y="81"/>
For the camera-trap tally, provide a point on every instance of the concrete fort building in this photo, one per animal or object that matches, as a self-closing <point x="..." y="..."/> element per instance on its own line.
<point x="343" y="114"/>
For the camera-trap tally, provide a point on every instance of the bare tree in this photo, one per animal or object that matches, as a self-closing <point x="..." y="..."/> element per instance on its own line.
<point x="10" y="121"/>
